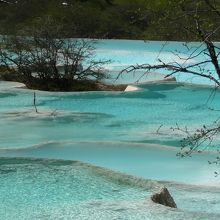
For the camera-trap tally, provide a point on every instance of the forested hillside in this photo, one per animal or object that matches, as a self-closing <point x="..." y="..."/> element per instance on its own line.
<point x="122" y="19"/>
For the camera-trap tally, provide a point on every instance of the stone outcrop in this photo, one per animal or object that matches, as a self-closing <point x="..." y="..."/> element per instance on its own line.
<point x="164" y="198"/>
<point x="131" y="88"/>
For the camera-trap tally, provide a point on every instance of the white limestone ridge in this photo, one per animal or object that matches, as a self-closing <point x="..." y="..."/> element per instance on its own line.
<point x="162" y="78"/>
<point x="130" y="88"/>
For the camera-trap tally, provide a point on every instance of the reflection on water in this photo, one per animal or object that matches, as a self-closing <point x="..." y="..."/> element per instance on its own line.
<point x="108" y="117"/>
<point x="124" y="53"/>
<point x="121" y="116"/>
<point x="124" y="131"/>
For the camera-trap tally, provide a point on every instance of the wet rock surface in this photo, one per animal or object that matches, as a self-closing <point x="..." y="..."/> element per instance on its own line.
<point x="164" y="198"/>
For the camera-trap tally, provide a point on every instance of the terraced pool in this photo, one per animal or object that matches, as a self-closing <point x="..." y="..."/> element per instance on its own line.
<point x="54" y="189"/>
<point x="127" y="132"/>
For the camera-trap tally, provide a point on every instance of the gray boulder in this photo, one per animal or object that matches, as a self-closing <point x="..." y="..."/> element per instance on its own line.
<point x="164" y="198"/>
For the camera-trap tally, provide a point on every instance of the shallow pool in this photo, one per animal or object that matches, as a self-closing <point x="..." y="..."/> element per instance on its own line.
<point x="118" y="130"/>
<point x="128" y="132"/>
<point x="51" y="189"/>
<point x="124" y="53"/>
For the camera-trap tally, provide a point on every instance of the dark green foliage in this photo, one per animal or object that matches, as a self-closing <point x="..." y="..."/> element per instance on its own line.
<point x="41" y="58"/>
<point x="131" y="19"/>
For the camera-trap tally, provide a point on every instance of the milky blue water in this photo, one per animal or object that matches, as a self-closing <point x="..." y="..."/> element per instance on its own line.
<point x="105" y="116"/>
<point x="128" y="132"/>
<point x="124" y="53"/>
<point x="50" y="189"/>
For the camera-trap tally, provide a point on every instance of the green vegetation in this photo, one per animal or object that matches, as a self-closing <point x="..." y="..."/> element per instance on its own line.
<point x="122" y="19"/>
<point x="39" y="47"/>
<point x="42" y="59"/>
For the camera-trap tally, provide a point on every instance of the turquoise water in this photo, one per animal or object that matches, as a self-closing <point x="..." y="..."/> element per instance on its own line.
<point x="117" y="130"/>
<point x="124" y="53"/>
<point x="114" y="130"/>
<point x="50" y="189"/>
<point x="115" y="116"/>
<point x="151" y="162"/>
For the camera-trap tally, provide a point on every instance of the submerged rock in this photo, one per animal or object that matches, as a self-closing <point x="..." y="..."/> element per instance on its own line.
<point x="7" y="170"/>
<point x="164" y="198"/>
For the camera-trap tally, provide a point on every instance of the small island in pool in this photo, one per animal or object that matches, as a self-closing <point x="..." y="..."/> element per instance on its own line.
<point x="109" y="109"/>
<point x="67" y="65"/>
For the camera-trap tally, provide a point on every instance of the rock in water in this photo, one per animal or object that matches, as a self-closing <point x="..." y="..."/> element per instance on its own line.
<point x="164" y="198"/>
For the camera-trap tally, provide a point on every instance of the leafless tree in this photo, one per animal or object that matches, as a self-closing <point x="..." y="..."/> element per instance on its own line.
<point x="207" y="52"/>
<point x="41" y="54"/>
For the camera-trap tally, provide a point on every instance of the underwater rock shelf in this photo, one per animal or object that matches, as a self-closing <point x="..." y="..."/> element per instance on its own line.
<point x="128" y="132"/>
<point x="52" y="189"/>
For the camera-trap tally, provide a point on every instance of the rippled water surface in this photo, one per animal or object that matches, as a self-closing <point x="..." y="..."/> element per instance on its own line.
<point x="128" y="132"/>
<point x="50" y="189"/>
